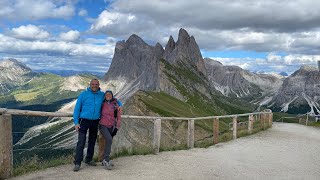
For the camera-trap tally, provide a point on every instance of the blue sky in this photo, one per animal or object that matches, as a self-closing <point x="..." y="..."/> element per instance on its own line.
<point x="261" y="36"/>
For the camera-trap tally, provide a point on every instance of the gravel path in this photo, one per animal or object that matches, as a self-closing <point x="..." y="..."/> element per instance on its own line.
<point x="286" y="151"/>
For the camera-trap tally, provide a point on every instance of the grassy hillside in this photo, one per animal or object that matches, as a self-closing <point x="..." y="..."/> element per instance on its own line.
<point x="42" y="93"/>
<point x="44" y="89"/>
<point x="188" y="81"/>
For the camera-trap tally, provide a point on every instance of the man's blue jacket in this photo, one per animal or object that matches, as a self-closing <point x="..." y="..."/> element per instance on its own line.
<point x="88" y="105"/>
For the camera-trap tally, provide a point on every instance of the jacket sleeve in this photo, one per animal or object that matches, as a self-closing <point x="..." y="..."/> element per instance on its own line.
<point x="119" y="102"/>
<point x="77" y="110"/>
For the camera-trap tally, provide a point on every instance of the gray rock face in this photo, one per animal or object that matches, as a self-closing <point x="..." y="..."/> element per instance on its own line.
<point x="12" y="73"/>
<point x="300" y="92"/>
<point x="12" y="70"/>
<point x="235" y="81"/>
<point x="137" y="64"/>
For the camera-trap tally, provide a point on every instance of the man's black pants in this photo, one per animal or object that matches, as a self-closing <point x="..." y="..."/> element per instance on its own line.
<point x="85" y="124"/>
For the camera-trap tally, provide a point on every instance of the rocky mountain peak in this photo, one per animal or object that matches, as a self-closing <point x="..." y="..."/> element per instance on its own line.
<point x="185" y="51"/>
<point x="12" y="73"/>
<point x="183" y="37"/>
<point x="300" y="92"/>
<point x="134" y="64"/>
<point x="212" y="62"/>
<point x="135" y="39"/>
<point x="304" y="70"/>
<point x="14" y="65"/>
<point x="159" y="50"/>
<point x="170" y="45"/>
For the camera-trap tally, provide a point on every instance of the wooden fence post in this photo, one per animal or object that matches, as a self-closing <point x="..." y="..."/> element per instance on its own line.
<point x="250" y="124"/>
<point x="190" y="134"/>
<point x="261" y="121"/>
<point x="264" y="116"/>
<point x="270" y="119"/>
<point x="6" y="160"/>
<point x="215" y="130"/>
<point x="156" y="136"/>
<point x="235" y="127"/>
<point x="307" y="120"/>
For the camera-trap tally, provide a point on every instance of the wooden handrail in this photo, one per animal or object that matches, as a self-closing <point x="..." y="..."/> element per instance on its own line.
<point x="62" y="114"/>
<point x="33" y="113"/>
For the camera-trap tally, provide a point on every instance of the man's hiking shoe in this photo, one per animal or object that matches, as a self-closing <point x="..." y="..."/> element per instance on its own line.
<point x="76" y="168"/>
<point x="107" y="165"/>
<point x="91" y="163"/>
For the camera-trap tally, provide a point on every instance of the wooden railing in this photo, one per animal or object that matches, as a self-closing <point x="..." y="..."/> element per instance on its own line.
<point x="6" y="146"/>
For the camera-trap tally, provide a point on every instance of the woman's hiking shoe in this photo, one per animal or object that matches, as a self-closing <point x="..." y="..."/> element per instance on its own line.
<point x="76" y="168"/>
<point x="107" y="164"/>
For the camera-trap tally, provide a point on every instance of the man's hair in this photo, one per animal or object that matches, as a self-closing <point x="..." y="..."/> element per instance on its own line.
<point x="94" y="80"/>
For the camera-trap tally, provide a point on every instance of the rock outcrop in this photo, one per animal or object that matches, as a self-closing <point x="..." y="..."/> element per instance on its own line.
<point x="236" y="82"/>
<point x="300" y="92"/>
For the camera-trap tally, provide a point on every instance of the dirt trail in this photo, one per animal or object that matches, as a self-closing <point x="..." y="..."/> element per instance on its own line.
<point x="287" y="151"/>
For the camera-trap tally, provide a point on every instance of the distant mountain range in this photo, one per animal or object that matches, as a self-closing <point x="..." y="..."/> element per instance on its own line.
<point x="66" y="73"/>
<point x="21" y="88"/>
<point x="299" y="93"/>
<point x="236" y="82"/>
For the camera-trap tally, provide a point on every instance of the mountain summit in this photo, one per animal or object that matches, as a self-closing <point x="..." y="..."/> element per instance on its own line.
<point x="12" y="70"/>
<point x="12" y="74"/>
<point x="185" y="50"/>
<point x="137" y="65"/>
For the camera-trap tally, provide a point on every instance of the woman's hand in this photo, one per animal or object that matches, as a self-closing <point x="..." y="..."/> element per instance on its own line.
<point x="114" y="132"/>
<point x="120" y="109"/>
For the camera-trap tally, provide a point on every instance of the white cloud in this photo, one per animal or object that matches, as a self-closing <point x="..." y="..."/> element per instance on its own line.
<point x="272" y="57"/>
<point x="35" y="9"/>
<point x="11" y="45"/>
<point x="122" y="25"/>
<point x="216" y="14"/>
<point x="83" y="12"/>
<point x="108" y="40"/>
<point x="301" y="59"/>
<point x="43" y="62"/>
<point x="30" y="32"/>
<point x="108" y="20"/>
<point x="70" y="36"/>
<point x="263" y="26"/>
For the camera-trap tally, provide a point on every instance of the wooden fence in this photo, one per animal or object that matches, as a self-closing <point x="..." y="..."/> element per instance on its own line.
<point x="6" y="151"/>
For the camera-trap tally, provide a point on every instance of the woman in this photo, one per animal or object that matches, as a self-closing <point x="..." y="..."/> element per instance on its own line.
<point x="109" y="125"/>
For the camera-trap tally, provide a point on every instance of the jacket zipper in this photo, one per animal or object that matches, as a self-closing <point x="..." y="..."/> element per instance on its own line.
<point x="94" y="107"/>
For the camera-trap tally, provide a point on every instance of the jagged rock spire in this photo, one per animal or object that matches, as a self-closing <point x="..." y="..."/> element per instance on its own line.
<point x="185" y="50"/>
<point x="170" y="45"/>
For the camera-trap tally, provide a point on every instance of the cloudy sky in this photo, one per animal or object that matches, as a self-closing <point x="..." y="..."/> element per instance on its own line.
<point x="258" y="35"/>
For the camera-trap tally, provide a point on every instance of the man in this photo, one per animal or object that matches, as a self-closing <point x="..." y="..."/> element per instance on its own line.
<point x="86" y="117"/>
